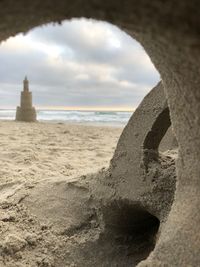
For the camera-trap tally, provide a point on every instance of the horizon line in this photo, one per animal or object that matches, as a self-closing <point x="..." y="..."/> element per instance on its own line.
<point x="125" y="109"/>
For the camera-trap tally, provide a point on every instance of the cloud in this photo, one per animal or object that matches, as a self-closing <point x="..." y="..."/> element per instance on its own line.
<point x="80" y="63"/>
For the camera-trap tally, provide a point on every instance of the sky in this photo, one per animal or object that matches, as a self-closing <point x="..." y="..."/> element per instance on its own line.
<point x="81" y="64"/>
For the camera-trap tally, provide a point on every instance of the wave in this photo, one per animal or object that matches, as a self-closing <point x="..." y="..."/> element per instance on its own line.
<point x="105" y="112"/>
<point x="107" y="117"/>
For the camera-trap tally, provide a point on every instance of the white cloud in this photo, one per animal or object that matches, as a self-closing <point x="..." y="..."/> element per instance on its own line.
<point x="83" y="62"/>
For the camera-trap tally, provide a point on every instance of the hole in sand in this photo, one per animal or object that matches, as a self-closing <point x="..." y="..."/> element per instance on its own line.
<point x="130" y="231"/>
<point x="160" y="140"/>
<point x="158" y="130"/>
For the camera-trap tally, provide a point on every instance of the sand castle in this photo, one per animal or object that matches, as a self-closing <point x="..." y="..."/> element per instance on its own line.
<point x="26" y="112"/>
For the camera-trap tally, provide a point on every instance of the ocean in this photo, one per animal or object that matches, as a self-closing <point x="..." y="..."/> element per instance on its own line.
<point x="113" y="118"/>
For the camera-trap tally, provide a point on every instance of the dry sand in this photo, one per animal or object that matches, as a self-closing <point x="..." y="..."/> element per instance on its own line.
<point x="31" y="152"/>
<point x="39" y="166"/>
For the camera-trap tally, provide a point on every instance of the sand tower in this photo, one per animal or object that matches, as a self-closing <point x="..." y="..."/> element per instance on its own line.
<point x="26" y="112"/>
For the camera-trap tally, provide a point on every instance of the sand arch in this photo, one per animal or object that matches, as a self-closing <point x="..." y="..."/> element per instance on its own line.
<point x="137" y="170"/>
<point x="169" y="32"/>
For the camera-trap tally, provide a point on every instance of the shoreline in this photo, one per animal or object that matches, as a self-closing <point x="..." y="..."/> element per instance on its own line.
<point x="97" y="118"/>
<point x="89" y="124"/>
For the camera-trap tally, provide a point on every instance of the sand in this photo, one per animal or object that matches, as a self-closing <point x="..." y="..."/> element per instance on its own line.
<point x="59" y="205"/>
<point x="31" y="152"/>
<point x="43" y="201"/>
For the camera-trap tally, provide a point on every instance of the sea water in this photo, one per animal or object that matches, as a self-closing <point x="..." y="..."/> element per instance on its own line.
<point x="86" y="117"/>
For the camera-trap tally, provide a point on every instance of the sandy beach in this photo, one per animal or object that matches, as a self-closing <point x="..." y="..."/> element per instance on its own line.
<point x="36" y="158"/>
<point x="31" y="152"/>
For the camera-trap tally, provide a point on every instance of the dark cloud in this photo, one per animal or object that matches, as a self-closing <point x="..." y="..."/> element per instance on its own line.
<point x="81" y="63"/>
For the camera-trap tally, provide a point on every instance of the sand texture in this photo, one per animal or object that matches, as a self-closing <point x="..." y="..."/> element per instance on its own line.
<point x="46" y="205"/>
<point x="36" y="151"/>
<point x="60" y="203"/>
